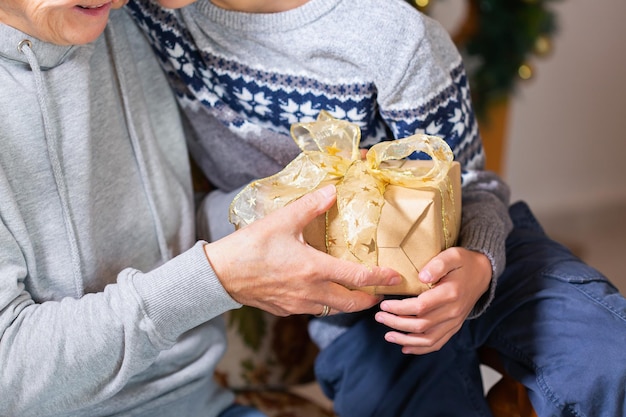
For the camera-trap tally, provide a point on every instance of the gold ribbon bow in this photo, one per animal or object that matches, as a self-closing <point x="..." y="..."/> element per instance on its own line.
<point x="330" y="154"/>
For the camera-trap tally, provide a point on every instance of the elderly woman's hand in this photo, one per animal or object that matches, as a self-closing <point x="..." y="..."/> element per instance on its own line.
<point x="269" y="265"/>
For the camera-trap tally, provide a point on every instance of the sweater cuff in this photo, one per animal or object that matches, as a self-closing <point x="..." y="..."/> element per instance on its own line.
<point x="490" y="242"/>
<point x="182" y="293"/>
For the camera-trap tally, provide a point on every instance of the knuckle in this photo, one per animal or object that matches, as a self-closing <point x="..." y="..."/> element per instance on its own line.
<point x="418" y="328"/>
<point x="457" y="311"/>
<point x="308" y="202"/>
<point x="454" y="294"/>
<point x="349" y="306"/>
<point x="435" y="348"/>
<point x="360" y="277"/>
<point x="455" y="253"/>
<point x="415" y="330"/>
<point x="433" y="345"/>
<point x="418" y="308"/>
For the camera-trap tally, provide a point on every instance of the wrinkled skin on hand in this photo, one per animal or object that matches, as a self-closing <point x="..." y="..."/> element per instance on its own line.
<point x="425" y="323"/>
<point x="268" y="265"/>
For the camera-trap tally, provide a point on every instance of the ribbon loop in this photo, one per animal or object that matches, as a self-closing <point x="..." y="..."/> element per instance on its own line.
<point x="328" y="135"/>
<point x="379" y="155"/>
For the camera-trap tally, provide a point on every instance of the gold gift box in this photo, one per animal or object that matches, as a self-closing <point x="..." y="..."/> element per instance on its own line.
<point x="414" y="226"/>
<point x="390" y="211"/>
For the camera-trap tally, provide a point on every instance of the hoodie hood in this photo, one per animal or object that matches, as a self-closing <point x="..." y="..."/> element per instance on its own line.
<point x="48" y="55"/>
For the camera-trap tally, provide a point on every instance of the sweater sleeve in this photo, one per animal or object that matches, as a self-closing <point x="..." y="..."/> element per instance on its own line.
<point x="427" y="91"/>
<point x="75" y="352"/>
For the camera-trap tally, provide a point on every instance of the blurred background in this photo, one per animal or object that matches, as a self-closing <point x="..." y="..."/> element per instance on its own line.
<point x="566" y="151"/>
<point x="563" y="130"/>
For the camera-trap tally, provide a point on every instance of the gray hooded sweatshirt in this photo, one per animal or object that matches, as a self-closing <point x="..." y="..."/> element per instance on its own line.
<point x="107" y="304"/>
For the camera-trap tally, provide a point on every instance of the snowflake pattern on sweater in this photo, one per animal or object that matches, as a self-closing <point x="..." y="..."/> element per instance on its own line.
<point x="248" y="99"/>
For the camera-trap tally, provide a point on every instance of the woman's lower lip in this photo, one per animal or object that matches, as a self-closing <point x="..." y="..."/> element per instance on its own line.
<point x="95" y="11"/>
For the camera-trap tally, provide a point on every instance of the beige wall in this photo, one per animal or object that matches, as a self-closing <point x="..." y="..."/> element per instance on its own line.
<point x="567" y="138"/>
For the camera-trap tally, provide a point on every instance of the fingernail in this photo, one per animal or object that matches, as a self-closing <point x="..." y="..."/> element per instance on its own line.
<point x="379" y="318"/>
<point x="395" y="280"/>
<point x="425" y="276"/>
<point x="327" y="191"/>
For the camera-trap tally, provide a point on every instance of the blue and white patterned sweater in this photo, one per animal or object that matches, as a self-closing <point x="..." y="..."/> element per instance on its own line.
<point x="242" y="79"/>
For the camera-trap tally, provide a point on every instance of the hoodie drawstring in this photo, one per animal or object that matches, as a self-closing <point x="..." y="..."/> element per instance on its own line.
<point x="52" y="143"/>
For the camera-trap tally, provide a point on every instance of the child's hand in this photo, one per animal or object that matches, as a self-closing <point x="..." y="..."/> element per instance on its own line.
<point x="425" y="323"/>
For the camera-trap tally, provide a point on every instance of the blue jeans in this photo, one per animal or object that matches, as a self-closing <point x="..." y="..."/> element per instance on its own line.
<point x="558" y="325"/>
<point x="237" y="410"/>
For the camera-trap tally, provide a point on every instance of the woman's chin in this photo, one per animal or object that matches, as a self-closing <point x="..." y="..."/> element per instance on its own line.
<point x="87" y="23"/>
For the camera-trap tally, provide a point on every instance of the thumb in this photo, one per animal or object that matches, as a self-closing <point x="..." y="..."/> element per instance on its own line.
<point x="438" y="267"/>
<point x="311" y="205"/>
